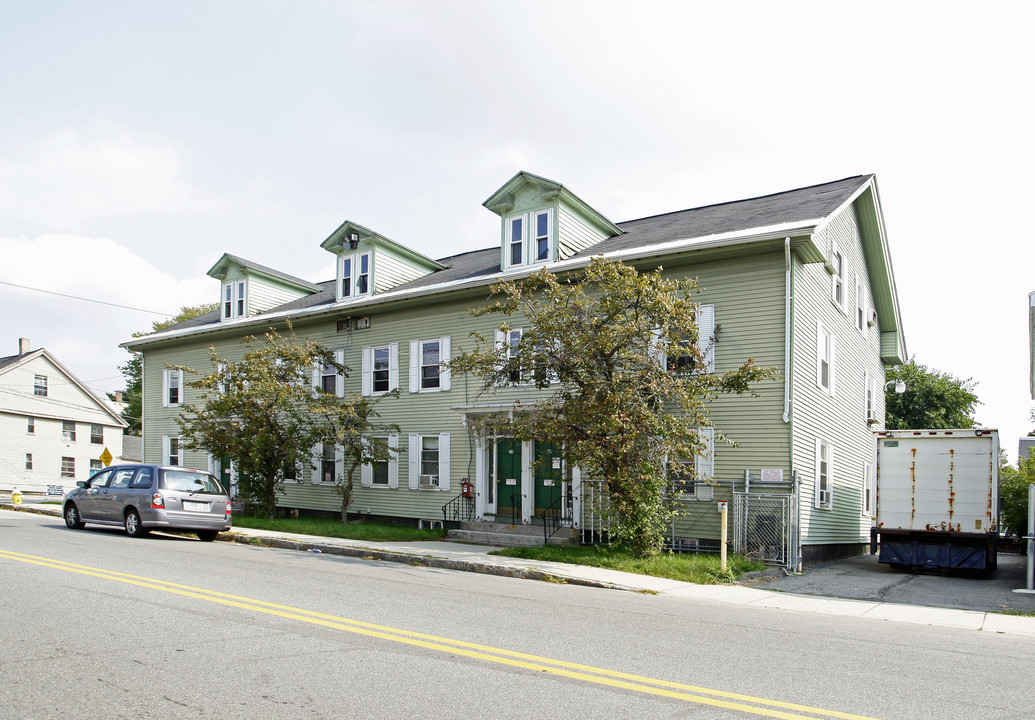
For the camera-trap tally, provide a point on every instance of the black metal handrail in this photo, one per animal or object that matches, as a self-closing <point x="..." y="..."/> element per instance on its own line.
<point x="556" y="515"/>
<point x="458" y="509"/>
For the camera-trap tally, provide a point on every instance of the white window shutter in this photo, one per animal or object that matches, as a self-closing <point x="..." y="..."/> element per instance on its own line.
<point x="165" y="392"/>
<point x="316" y="467"/>
<point x="706" y="463"/>
<point x="414" y="366"/>
<point x="339" y="380"/>
<point x="317" y="377"/>
<point x="444" y="349"/>
<point x="414" y="461"/>
<point x="165" y="449"/>
<point x="367" y="366"/>
<point x="833" y="363"/>
<point x="393" y="460"/>
<point x="393" y="366"/>
<point x="706" y="333"/>
<point x="366" y="473"/>
<point x="443" y="461"/>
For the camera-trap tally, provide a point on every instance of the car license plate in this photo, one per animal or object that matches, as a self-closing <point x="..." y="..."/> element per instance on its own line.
<point x="195" y="506"/>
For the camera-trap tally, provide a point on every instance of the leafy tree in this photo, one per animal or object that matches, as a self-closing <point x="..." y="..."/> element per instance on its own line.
<point x="1013" y="491"/>
<point x="132" y="370"/>
<point x="352" y="424"/>
<point x="595" y="344"/>
<point x="932" y="399"/>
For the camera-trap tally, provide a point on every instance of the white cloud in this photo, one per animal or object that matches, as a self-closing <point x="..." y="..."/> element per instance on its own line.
<point x="67" y="177"/>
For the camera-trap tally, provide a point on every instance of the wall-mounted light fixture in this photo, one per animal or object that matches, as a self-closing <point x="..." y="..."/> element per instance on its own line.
<point x="353" y="241"/>
<point x="899" y="386"/>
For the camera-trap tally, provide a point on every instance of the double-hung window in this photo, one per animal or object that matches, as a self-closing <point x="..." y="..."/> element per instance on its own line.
<point x="380" y="371"/>
<point x="39" y="385"/>
<point x="427" y="374"/>
<point x="28" y="461"/>
<point x="68" y="430"/>
<point x="383" y="473"/>
<point x="691" y="477"/>
<point x="97" y="434"/>
<point x="687" y="363"/>
<point x="860" y="306"/>
<point x="172" y="450"/>
<point x="328" y="464"/>
<point x="837" y="279"/>
<point x="529" y="238"/>
<point x="868" y="495"/>
<point x="825" y="342"/>
<point x="824" y="475"/>
<point x="68" y="467"/>
<point x="508" y="356"/>
<point x="30" y="425"/>
<point x="870" y="390"/>
<point x="354" y="275"/>
<point x="234" y="299"/>
<point x="172" y="387"/>
<point x="429" y="461"/>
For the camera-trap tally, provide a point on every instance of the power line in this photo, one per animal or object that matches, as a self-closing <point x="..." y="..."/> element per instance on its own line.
<point x="76" y="297"/>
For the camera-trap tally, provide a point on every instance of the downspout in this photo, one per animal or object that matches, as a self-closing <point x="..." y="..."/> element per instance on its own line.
<point x="787" y="331"/>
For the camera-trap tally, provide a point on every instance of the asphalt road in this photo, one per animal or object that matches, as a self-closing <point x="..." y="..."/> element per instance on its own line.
<point x="100" y="625"/>
<point x="863" y="578"/>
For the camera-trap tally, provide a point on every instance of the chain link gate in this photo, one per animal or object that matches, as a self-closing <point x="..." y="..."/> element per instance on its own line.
<point x="765" y="527"/>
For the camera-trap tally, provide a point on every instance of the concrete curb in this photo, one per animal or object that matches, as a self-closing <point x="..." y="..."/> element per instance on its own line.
<point x="418" y="560"/>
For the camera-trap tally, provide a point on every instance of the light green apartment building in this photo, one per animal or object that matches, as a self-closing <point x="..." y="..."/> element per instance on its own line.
<point x="799" y="280"/>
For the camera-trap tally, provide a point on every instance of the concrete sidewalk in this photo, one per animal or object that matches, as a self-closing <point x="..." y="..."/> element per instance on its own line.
<point x="476" y="558"/>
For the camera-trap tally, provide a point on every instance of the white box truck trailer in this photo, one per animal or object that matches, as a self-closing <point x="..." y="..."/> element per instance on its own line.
<point x="937" y="499"/>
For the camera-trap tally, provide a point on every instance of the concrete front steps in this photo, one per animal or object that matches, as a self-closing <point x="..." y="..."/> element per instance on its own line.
<point x="505" y="535"/>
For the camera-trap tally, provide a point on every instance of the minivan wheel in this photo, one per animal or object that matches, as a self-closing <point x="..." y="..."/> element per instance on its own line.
<point x="206" y="535"/>
<point x="134" y="528"/>
<point x="72" y="518"/>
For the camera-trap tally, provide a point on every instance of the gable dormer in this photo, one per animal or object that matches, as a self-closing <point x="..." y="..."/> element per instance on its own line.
<point x="543" y="221"/>
<point x="369" y="263"/>
<point x="247" y="289"/>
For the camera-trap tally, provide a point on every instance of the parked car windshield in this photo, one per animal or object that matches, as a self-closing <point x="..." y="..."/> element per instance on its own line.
<point x="191" y="482"/>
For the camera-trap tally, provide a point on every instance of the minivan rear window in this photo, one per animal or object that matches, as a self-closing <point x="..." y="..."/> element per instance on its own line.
<point x="190" y="482"/>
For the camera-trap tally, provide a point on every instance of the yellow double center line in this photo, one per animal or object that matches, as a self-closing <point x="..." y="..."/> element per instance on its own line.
<point x="575" y="671"/>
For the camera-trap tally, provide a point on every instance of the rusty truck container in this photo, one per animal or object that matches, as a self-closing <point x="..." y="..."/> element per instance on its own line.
<point x="937" y="498"/>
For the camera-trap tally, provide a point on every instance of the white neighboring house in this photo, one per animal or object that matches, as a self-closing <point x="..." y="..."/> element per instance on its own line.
<point x="53" y="429"/>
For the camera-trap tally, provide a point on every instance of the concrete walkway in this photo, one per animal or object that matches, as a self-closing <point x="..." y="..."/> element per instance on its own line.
<point x="476" y="558"/>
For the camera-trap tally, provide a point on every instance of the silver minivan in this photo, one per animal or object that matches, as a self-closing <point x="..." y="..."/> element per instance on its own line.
<point x="142" y="498"/>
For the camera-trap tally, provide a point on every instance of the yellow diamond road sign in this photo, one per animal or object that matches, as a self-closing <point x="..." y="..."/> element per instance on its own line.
<point x="106" y="457"/>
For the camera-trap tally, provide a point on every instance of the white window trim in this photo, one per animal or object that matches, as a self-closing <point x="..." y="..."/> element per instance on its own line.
<point x="502" y="347"/>
<point x="366" y="471"/>
<point x="316" y="477"/>
<point x="861" y="307"/>
<point x="837" y="279"/>
<point x="367" y="368"/>
<point x="238" y="299"/>
<point x="529" y="239"/>
<point x="826" y="344"/>
<point x="167" y="450"/>
<point x="355" y="261"/>
<point x="167" y="376"/>
<point x="827" y="502"/>
<point x="533" y="238"/>
<point x="705" y="335"/>
<point x="414" y="462"/>
<point x="416" y="363"/>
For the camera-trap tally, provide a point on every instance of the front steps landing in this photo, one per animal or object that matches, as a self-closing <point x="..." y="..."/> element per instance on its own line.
<point x="481" y="532"/>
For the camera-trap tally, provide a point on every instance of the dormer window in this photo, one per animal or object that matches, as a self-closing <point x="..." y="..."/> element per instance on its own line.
<point x="354" y="271"/>
<point x="522" y="250"/>
<point x="234" y="295"/>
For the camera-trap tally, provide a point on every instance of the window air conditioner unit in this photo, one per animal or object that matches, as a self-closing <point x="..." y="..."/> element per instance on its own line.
<point x="429" y="480"/>
<point x="362" y="323"/>
<point x="872" y="322"/>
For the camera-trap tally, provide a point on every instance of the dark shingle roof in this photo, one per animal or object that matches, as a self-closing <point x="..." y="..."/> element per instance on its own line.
<point x="803" y="204"/>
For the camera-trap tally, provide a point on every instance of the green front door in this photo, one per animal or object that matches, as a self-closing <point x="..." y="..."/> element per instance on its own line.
<point x="224" y="473"/>
<point x="508" y="477"/>
<point x="549" y="473"/>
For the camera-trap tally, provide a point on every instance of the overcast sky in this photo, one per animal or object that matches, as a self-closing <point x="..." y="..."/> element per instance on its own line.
<point x="140" y="141"/>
